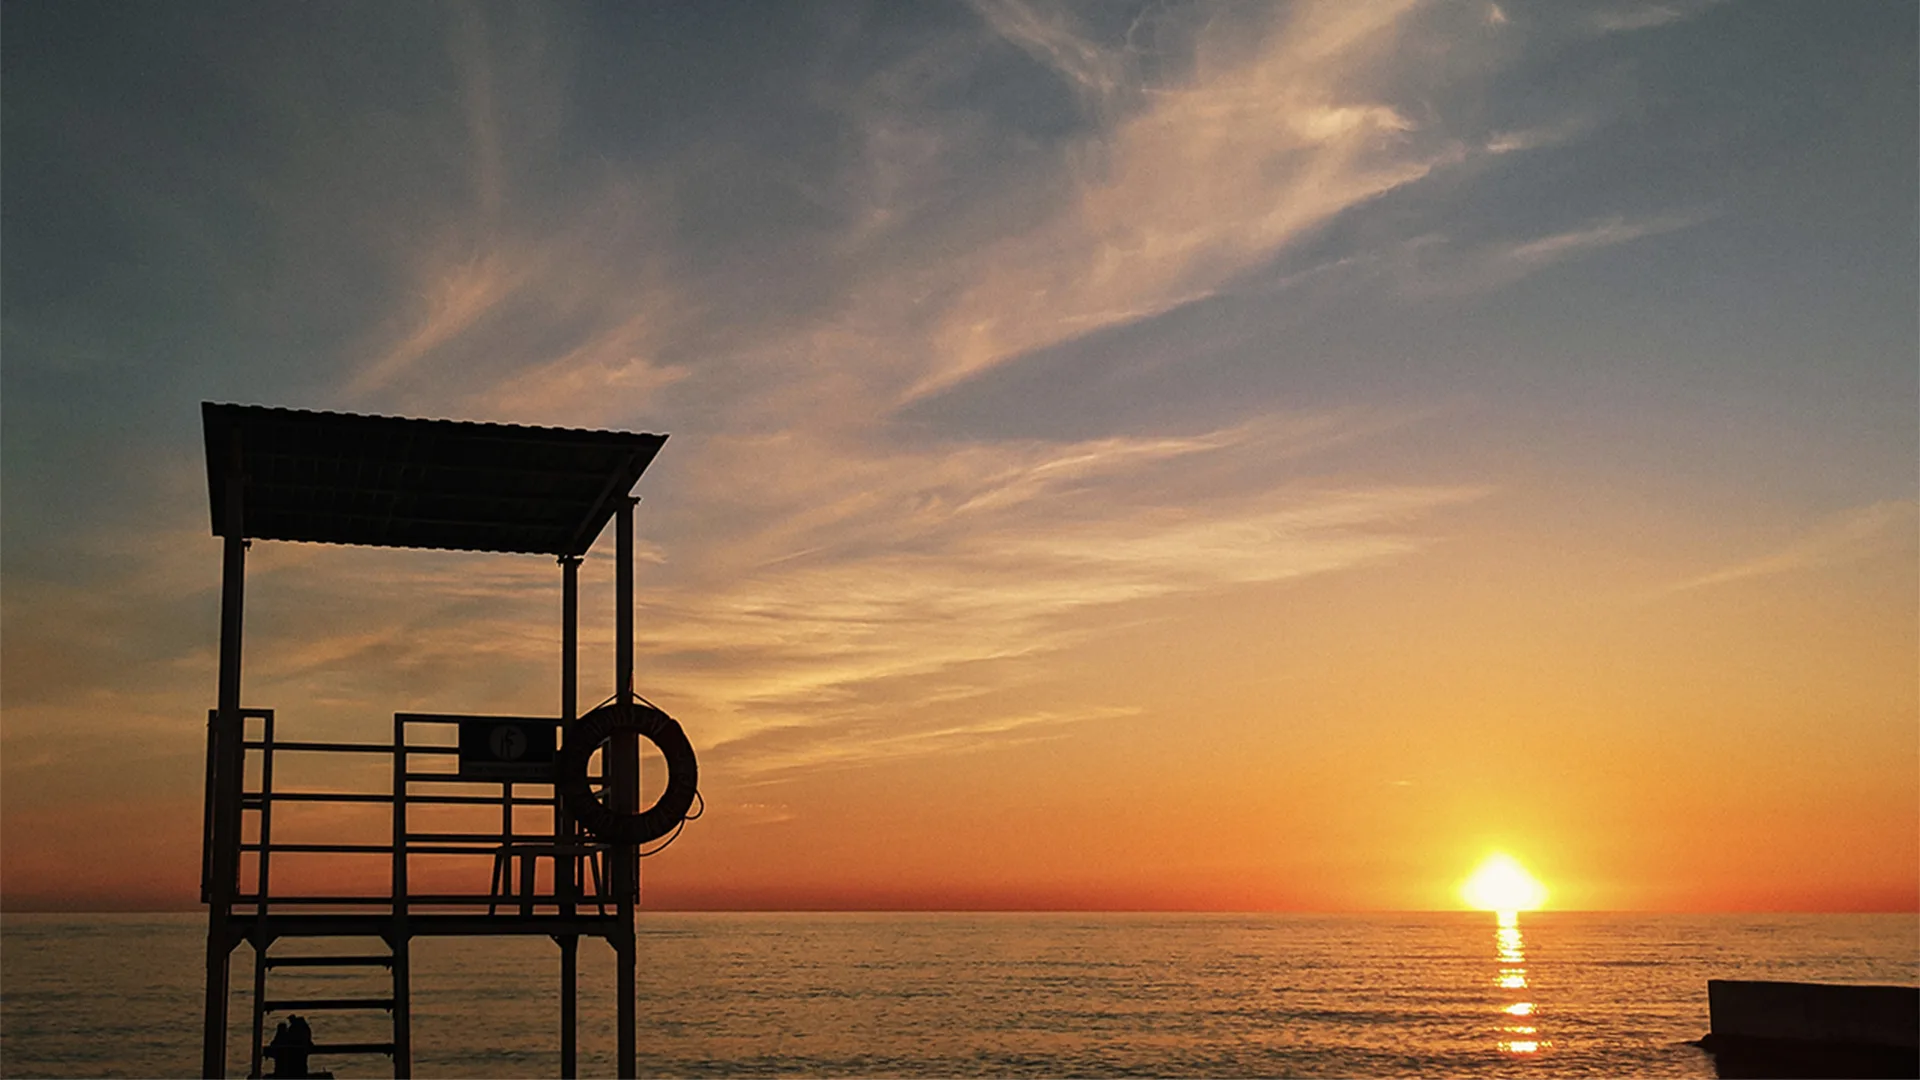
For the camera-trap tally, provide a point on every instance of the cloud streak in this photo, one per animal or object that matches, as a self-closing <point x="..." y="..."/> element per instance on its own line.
<point x="1627" y="18"/>
<point x="1847" y="537"/>
<point x="909" y="573"/>
<point x="1203" y="181"/>
<point x="1601" y="234"/>
<point x="1440" y="265"/>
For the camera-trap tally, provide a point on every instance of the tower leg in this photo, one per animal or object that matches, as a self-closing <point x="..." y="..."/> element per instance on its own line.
<point x="402" y="1004"/>
<point x="623" y="757"/>
<point x="228" y="758"/>
<point x="401" y="940"/>
<point x="213" y="1050"/>
<point x="569" y="1005"/>
<point x="566" y="872"/>
<point x="254" y="1061"/>
<point x="624" y="958"/>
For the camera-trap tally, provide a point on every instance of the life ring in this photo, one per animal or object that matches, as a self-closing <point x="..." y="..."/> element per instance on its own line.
<point x="615" y="826"/>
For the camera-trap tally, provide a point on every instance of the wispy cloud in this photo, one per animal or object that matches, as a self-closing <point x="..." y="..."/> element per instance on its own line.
<point x="1601" y="234"/>
<point x="1846" y="537"/>
<point x="774" y="752"/>
<point x="450" y="302"/>
<point x="1518" y="140"/>
<point x="1625" y="18"/>
<point x="953" y="573"/>
<point x="1437" y="265"/>
<point x="1261" y="129"/>
<point x="1271" y="134"/>
<point x="1051" y="34"/>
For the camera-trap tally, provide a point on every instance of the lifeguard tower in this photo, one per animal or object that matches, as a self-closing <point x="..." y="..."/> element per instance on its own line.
<point x="282" y="474"/>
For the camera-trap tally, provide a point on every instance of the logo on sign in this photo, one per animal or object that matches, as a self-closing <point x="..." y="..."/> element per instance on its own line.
<point x="508" y="742"/>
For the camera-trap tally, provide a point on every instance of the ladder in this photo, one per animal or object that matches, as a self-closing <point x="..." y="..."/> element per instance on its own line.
<point x="263" y="1005"/>
<point x="261" y="803"/>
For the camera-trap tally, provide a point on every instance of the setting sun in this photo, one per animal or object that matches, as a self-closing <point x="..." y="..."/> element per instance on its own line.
<point x="1501" y="884"/>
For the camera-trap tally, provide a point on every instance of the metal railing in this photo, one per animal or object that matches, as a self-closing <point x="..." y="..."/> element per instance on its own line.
<point x="578" y="867"/>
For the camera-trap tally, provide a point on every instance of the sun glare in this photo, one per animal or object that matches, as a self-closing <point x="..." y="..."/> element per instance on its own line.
<point x="1503" y="885"/>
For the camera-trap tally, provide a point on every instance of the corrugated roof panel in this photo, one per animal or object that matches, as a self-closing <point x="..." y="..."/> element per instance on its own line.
<point x="387" y="481"/>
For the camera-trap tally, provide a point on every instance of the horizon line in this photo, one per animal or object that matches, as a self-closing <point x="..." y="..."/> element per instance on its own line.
<point x="806" y="910"/>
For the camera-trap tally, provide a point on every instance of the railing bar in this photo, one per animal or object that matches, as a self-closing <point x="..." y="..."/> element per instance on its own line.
<point x="456" y="778"/>
<point x="320" y="747"/>
<point x="471" y="899"/>
<point x="453" y="719"/>
<point x="488" y="850"/>
<point x="382" y="900"/>
<point x="495" y="839"/>
<point x="253" y="800"/>
<point x="328" y="796"/>
<point x="354" y="748"/>
<point x="314" y="849"/>
<point x="542" y="899"/>
<point x="477" y="800"/>
<point x="488" y="847"/>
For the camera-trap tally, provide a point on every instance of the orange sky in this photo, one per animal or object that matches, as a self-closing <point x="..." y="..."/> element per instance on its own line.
<point x="1353" y="740"/>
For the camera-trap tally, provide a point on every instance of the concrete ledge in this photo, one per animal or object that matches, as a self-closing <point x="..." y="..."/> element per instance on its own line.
<point x="1816" y="1012"/>
<point x="1778" y="1029"/>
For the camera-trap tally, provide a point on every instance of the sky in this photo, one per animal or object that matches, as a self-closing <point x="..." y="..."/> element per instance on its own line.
<point x="1168" y="456"/>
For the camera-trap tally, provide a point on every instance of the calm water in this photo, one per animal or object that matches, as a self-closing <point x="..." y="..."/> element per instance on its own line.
<point x="942" y="995"/>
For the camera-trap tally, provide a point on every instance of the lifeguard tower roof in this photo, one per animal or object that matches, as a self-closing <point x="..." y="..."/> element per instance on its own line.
<point x="385" y="481"/>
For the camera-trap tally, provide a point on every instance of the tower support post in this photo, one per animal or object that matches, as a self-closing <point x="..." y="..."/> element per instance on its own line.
<point x="567" y="870"/>
<point x="401" y="944"/>
<point x="623" y="764"/>
<point x="226" y="760"/>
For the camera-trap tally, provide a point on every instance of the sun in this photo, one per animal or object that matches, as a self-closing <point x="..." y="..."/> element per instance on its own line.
<point x="1501" y="884"/>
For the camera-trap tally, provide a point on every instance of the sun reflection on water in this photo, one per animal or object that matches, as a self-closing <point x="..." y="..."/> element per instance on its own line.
<point x="1518" y="1035"/>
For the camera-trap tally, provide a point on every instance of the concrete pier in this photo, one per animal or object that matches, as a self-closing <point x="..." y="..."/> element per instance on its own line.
<point x="1778" y="1029"/>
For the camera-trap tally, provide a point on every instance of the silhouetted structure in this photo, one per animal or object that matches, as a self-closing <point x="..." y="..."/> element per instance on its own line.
<point x="280" y="474"/>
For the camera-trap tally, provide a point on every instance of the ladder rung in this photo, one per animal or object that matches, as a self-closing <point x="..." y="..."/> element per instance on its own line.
<point x="286" y="1004"/>
<point x="351" y="1048"/>
<point x="329" y="961"/>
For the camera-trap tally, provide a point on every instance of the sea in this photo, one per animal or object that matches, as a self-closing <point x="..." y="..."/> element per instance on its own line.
<point x="967" y="994"/>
